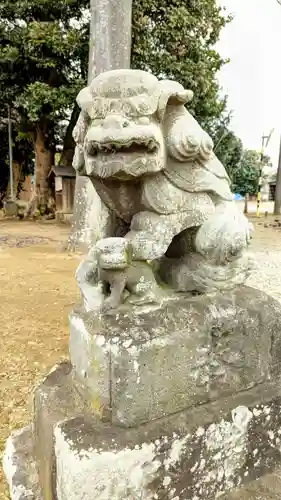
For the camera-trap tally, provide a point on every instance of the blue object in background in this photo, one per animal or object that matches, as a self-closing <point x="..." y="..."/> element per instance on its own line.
<point x="238" y="197"/>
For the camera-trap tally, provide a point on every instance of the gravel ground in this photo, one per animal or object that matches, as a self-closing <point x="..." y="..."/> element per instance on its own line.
<point x="266" y="249"/>
<point x="267" y="276"/>
<point x="21" y="241"/>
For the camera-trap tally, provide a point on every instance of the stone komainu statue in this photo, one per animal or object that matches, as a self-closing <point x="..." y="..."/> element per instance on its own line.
<point x="155" y="169"/>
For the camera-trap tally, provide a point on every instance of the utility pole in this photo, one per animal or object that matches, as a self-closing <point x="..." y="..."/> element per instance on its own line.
<point x="277" y="198"/>
<point x="10" y="154"/>
<point x="265" y="142"/>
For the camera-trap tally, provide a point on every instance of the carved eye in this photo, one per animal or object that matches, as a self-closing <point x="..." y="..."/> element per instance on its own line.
<point x="143" y="120"/>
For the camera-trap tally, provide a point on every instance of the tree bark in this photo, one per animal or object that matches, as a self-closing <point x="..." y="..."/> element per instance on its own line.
<point x="17" y="169"/>
<point x="69" y="143"/>
<point x="44" y="160"/>
<point x="277" y="201"/>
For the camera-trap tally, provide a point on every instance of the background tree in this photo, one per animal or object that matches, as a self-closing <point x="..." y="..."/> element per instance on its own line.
<point x="175" y="39"/>
<point x="242" y="166"/>
<point x="43" y="64"/>
<point x="245" y="176"/>
<point x="228" y="147"/>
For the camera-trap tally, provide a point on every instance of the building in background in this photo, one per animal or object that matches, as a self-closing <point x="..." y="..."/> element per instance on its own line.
<point x="62" y="188"/>
<point x="268" y="187"/>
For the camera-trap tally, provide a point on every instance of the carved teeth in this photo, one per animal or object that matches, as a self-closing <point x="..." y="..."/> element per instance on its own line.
<point x="151" y="145"/>
<point x="95" y="147"/>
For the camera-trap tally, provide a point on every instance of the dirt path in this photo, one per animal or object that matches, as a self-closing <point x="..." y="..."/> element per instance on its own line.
<point x="37" y="292"/>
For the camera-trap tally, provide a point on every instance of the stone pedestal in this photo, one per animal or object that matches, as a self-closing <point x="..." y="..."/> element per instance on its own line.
<point x="11" y="208"/>
<point x="180" y="402"/>
<point x="135" y="367"/>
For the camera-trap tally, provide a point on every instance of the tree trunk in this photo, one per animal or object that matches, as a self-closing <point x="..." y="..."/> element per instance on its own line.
<point x="69" y="143"/>
<point x="246" y="204"/>
<point x="44" y="160"/>
<point x="277" y="204"/>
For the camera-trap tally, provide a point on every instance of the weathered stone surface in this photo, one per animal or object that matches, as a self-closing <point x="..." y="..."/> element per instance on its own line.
<point x="145" y="364"/>
<point x="198" y="454"/>
<point x="91" y="358"/>
<point x="55" y="399"/>
<point x="265" y="488"/>
<point x="19" y="456"/>
<point x="20" y="466"/>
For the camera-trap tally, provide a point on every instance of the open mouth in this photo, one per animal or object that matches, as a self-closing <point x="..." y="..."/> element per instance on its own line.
<point x="130" y="147"/>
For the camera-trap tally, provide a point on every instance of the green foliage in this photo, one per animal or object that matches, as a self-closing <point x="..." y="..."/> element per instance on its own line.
<point x="40" y="99"/>
<point x="43" y="55"/>
<point x="43" y="65"/>
<point x="175" y="39"/>
<point x="228" y="148"/>
<point x="246" y="175"/>
<point x="242" y="166"/>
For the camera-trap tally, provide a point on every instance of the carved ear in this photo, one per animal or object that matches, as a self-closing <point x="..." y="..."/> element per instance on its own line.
<point x="79" y="134"/>
<point x="171" y="91"/>
<point x="85" y="99"/>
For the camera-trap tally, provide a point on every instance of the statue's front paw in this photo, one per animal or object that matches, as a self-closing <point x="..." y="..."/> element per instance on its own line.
<point x="109" y="304"/>
<point x="224" y="236"/>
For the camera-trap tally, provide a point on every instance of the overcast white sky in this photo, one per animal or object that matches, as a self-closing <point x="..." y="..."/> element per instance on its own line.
<point x="253" y="77"/>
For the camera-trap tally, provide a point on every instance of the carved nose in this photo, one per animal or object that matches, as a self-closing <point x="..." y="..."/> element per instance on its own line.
<point x="115" y="122"/>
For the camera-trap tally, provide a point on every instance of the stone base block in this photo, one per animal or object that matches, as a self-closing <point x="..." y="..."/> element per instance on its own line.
<point x="195" y="455"/>
<point x="199" y="453"/>
<point x="55" y="400"/>
<point x="139" y="365"/>
<point x="10" y="208"/>
<point x="20" y="467"/>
